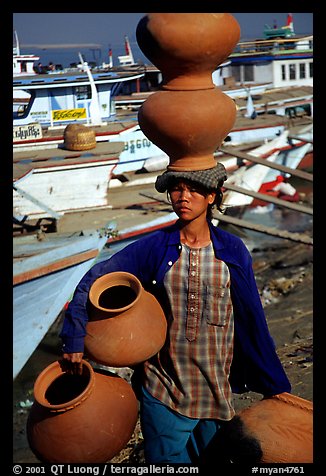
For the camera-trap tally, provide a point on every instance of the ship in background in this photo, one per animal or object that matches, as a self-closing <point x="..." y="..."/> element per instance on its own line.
<point x="280" y="58"/>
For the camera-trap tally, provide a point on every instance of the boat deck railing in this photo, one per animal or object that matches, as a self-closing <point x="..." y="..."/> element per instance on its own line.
<point x="289" y="45"/>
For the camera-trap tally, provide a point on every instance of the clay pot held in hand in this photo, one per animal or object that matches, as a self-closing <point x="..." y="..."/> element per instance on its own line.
<point x="126" y="323"/>
<point x="283" y="425"/>
<point x="187" y="47"/>
<point x="189" y="127"/>
<point x="86" y="418"/>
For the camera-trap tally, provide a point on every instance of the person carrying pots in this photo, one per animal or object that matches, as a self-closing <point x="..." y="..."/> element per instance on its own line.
<point x="218" y="342"/>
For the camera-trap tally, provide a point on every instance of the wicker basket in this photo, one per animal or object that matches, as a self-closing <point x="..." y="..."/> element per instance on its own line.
<point x="79" y="137"/>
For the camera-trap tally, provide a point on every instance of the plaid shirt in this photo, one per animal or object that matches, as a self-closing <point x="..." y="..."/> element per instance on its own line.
<point x="190" y="374"/>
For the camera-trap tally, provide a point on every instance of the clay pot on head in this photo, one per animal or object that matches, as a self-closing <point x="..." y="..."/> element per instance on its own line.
<point x="86" y="418"/>
<point x="189" y="127"/>
<point x="283" y="425"/>
<point x="187" y="47"/>
<point x="126" y="323"/>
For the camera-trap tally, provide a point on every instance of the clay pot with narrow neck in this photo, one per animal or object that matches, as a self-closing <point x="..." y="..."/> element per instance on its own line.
<point x="189" y="127"/>
<point x="187" y="47"/>
<point x="86" y="418"/>
<point x="126" y="323"/>
<point x="283" y="425"/>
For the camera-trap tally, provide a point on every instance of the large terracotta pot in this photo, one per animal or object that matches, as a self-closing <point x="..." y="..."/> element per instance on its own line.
<point x="283" y="425"/>
<point x="190" y="117"/>
<point x="187" y="47"/>
<point x="126" y="323"/>
<point x="189" y="127"/>
<point x="86" y="418"/>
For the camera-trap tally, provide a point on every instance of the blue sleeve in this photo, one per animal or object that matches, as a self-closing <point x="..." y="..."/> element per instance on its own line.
<point x="255" y="352"/>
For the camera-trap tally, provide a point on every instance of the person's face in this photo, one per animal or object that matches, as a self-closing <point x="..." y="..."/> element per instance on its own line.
<point x="189" y="200"/>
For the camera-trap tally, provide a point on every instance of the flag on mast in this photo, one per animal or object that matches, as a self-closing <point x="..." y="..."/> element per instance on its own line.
<point x="110" y="58"/>
<point x="289" y="22"/>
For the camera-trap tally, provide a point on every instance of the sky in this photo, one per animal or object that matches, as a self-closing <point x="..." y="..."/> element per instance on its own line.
<point x="94" y="33"/>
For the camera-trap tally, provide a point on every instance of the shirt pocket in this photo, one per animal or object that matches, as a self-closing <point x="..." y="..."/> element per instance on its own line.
<point x="218" y="305"/>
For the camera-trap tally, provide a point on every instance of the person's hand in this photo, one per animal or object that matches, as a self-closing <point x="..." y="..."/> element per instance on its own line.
<point x="73" y="362"/>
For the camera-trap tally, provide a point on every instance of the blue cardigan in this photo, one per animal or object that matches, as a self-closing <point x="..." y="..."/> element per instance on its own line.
<point x="255" y="364"/>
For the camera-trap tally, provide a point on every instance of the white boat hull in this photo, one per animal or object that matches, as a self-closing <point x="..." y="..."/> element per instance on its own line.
<point x="38" y="302"/>
<point x="64" y="188"/>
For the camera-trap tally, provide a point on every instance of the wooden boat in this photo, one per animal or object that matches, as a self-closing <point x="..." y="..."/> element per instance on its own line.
<point x="298" y="155"/>
<point x="50" y="182"/>
<point x="46" y="270"/>
<point x="280" y="56"/>
<point x="254" y="177"/>
<point x="80" y="96"/>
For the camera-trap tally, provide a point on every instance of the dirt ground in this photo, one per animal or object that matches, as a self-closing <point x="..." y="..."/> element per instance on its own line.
<point x="284" y="275"/>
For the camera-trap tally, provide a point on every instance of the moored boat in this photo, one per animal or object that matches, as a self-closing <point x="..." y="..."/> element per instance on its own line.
<point x="46" y="270"/>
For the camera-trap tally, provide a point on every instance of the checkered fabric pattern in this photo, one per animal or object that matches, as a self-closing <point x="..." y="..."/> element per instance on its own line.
<point x="210" y="178"/>
<point x="190" y="374"/>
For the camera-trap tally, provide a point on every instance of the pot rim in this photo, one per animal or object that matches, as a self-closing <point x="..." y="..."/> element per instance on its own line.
<point x="118" y="278"/>
<point x="49" y="375"/>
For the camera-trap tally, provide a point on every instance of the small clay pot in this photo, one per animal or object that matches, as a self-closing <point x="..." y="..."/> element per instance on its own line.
<point x="283" y="425"/>
<point x="126" y="323"/>
<point x="188" y="126"/>
<point x="86" y="418"/>
<point x="187" y="47"/>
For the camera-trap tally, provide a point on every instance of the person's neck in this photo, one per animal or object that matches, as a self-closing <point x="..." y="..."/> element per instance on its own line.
<point x="195" y="234"/>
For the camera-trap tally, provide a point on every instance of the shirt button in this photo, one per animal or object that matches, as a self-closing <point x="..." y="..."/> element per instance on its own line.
<point x="193" y="273"/>
<point x="154" y="282"/>
<point x="192" y="296"/>
<point x="170" y="263"/>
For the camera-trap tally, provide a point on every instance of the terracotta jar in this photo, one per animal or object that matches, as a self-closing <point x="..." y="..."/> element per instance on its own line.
<point x="283" y="425"/>
<point x="188" y="126"/>
<point x="86" y="418"/>
<point x="189" y="118"/>
<point x="126" y="323"/>
<point x="187" y="47"/>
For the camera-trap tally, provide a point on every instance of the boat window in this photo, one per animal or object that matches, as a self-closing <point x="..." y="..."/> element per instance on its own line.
<point x="283" y="72"/>
<point x="302" y="70"/>
<point x="82" y="92"/>
<point x="23" y="66"/>
<point x="236" y="73"/>
<point x="311" y="75"/>
<point x="248" y="72"/>
<point x="22" y="103"/>
<point x="292" y="71"/>
<point x="298" y="111"/>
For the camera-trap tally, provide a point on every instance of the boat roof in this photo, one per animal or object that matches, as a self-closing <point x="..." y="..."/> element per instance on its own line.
<point x="25" y="161"/>
<point x="72" y="78"/>
<point x="277" y="95"/>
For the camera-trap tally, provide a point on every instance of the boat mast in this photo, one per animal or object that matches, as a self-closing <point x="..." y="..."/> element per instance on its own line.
<point x="94" y="107"/>
<point x="16" y="48"/>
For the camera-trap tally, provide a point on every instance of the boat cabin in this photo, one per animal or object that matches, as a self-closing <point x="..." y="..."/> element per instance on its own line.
<point x="58" y="99"/>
